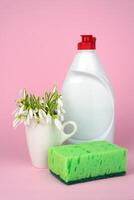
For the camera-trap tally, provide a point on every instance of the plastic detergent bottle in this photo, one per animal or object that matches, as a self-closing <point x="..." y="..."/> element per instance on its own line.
<point x="87" y="95"/>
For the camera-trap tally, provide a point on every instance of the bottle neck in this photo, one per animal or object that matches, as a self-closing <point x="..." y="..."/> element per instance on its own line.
<point x="86" y="50"/>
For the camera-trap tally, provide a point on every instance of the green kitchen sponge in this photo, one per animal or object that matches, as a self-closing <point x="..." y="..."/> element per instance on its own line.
<point x="87" y="161"/>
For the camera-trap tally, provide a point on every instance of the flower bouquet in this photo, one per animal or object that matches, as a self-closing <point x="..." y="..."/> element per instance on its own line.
<point x="43" y="119"/>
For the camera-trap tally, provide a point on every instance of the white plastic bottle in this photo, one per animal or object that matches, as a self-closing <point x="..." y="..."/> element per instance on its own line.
<point x="87" y="95"/>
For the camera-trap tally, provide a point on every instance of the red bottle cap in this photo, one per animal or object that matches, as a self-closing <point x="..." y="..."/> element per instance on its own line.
<point x="88" y="42"/>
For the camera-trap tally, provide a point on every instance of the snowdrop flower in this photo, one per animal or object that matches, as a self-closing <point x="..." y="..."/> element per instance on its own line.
<point x="48" y="108"/>
<point x="28" y="120"/>
<point x="58" y="124"/>
<point x="37" y="119"/>
<point x="42" y="101"/>
<point x="34" y="113"/>
<point x="16" y="113"/>
<point x="48" y="119"/>
<point x="61" y="118"/>
<point x="58" y="111"/>
<point x="30" y="113"/>
<point x="21" y="110"/>
<point x="62" y="110"/>
<point x="41" y="114"/>
<point x="16" y="122"/>
<point x="25" y="113"/>
<point x="35" y="110"/>
<point x="60" y="103"/>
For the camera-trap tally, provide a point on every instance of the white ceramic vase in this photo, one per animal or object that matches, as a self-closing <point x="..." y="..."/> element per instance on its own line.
<point x="42" y="136"/>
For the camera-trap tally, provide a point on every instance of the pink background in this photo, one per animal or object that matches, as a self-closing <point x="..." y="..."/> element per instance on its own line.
<point x="37" y="44"/>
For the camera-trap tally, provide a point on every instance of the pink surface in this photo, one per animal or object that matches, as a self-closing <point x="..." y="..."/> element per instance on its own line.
<point x="37" y="44"/>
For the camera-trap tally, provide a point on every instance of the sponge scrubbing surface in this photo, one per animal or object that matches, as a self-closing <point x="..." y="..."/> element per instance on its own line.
<point x="79" y="162"/>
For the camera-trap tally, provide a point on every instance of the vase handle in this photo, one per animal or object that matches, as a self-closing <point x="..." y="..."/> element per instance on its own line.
<point x="65" y="135"/>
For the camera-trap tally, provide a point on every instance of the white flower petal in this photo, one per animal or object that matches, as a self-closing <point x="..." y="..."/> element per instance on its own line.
<point x="36" y="110"/>
<point x="60" y="103"/>
<point x="35" y="117"/>
<point x="34" y="113"/>
<point x="21" y="110"/>
<point x="42" y="101"/>
<point x="28" y="120"/>
<point x="62" y="118"/>
<point x="15" y="123"/>
<point x="58" y="124"/>
<point x="58" y="111"/>
<point x="40" y="114"/>
<point x="48" y="119"/>
<point x="25" y="113"/>
<point x="31" y="113"/>
<point x="44" y="114"/>
<point x="62" y="110"/>
<point x="16" y="114"/>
